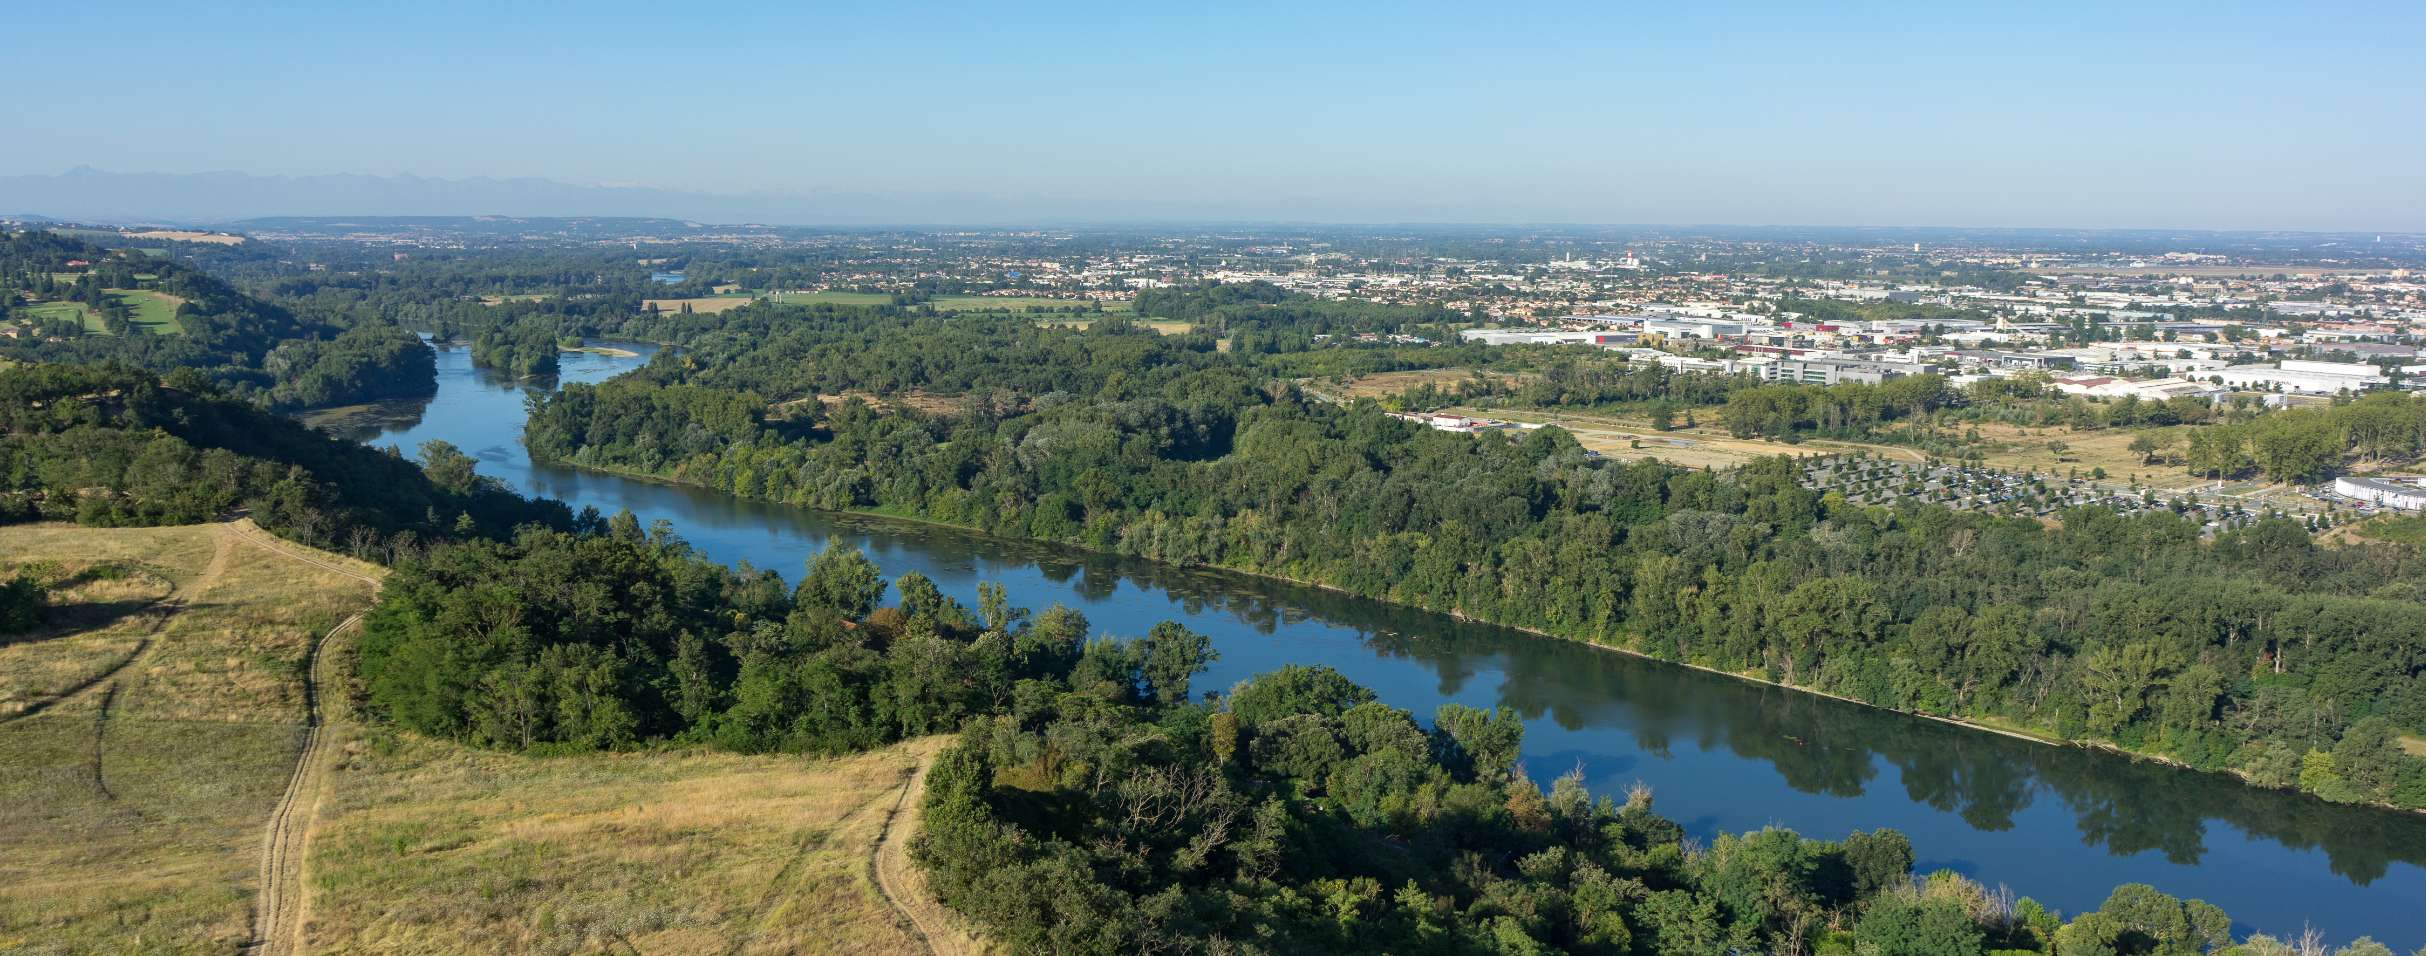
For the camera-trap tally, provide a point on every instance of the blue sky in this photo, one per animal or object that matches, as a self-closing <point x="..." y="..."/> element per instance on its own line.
<point x="2195" y="115"/>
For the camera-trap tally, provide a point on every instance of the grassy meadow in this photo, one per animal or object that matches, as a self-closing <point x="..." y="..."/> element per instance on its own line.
<point x="155" y="313"/>
<point x="150" y="726"/>
<point x="425" y="847"/>
<point x="831" y="298"/>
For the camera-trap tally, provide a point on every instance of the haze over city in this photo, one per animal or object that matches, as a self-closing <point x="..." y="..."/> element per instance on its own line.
<point x="2207" y="116"/>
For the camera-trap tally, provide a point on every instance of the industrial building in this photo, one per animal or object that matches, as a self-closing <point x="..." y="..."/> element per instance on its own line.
<point x="2306" y="378"/>
<point x="1827" y="371"/>
<point x="2405" y="493"/>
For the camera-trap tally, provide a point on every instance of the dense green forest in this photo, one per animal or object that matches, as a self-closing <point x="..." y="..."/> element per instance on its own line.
<point x="556" y="640"/>
<point x="362" y="363"/>
<point x="108" y="445"/>
<point x="2256" y="651"/>
<point x="524" y="350"/>
<point x="284" y="357"/>
<point x="487" y="305"/>
<point x="1299" y="815"/>
<point x="2306" y="444"/>
<point x="1261" y="318"/>
<point x="1099" y="801"/>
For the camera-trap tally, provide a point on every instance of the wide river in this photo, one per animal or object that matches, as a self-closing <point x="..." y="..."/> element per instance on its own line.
<point x="2061" y="824"/>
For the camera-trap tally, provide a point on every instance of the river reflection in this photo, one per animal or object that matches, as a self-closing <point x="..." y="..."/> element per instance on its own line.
<point x="2058" y="823"/>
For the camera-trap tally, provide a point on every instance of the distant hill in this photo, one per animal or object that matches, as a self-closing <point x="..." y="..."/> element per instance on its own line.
<point x="63" y="299"/>
<point x="110" y="445"/>
<point x="494" y="228"/>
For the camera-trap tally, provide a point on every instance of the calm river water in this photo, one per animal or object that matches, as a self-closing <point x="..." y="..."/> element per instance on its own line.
<point x="2060" y="824"/>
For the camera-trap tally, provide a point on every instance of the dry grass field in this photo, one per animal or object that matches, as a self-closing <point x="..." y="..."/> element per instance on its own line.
<point x="187" y="235"/>
<point x="1162" y="326"/>
<point x="154" y="725"/>
<point x="830" y="297"/>
<point x="106" y="601"/>
<point x="2046" y="451"/>
<point x="2061" y="450"/>
<point x="150" y="726"/>
<point x="704" y="304"/>
<point x="924" y="403"/>
<point x="428" y="847"/>
<point x="1382" y="384"/>
<point x="1703" y="446"/>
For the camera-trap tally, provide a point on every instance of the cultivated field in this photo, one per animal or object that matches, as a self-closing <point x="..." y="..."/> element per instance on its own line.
<point x="150" y="729"/>
<point x="185" y="235"/>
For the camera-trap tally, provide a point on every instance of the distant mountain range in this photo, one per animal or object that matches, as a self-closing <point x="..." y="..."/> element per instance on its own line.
<point x="243" y="201"/>
<point x="92" y="195"/>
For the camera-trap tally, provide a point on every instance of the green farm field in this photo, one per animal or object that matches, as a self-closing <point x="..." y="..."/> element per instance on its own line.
<point x="155" y="312"/>
<point x="831" y="298"/>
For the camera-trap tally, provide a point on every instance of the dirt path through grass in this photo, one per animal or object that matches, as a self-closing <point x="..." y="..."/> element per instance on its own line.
<point x="897" y="878"/>
<point x="278" y="912"/>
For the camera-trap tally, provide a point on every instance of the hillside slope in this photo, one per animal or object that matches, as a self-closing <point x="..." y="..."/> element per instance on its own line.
<point x="64" y="300"/>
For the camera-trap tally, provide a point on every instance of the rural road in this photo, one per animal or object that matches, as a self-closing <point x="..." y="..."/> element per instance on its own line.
<point x="278" y="911"/>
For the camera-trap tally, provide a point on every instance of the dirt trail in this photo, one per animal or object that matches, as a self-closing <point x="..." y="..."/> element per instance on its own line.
<point x="278" y="913"/>
<point x="223" y="547"/>
<point x="898" y="880"/>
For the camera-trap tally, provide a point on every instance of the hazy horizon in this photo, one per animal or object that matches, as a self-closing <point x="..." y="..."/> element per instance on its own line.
<point x="545" y="200"/>
<point x="2067" y="116"/>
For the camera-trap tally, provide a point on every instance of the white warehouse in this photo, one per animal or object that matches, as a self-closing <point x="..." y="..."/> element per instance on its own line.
<point x="2406" y="494"/>
<point x="2312" y="378"/>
